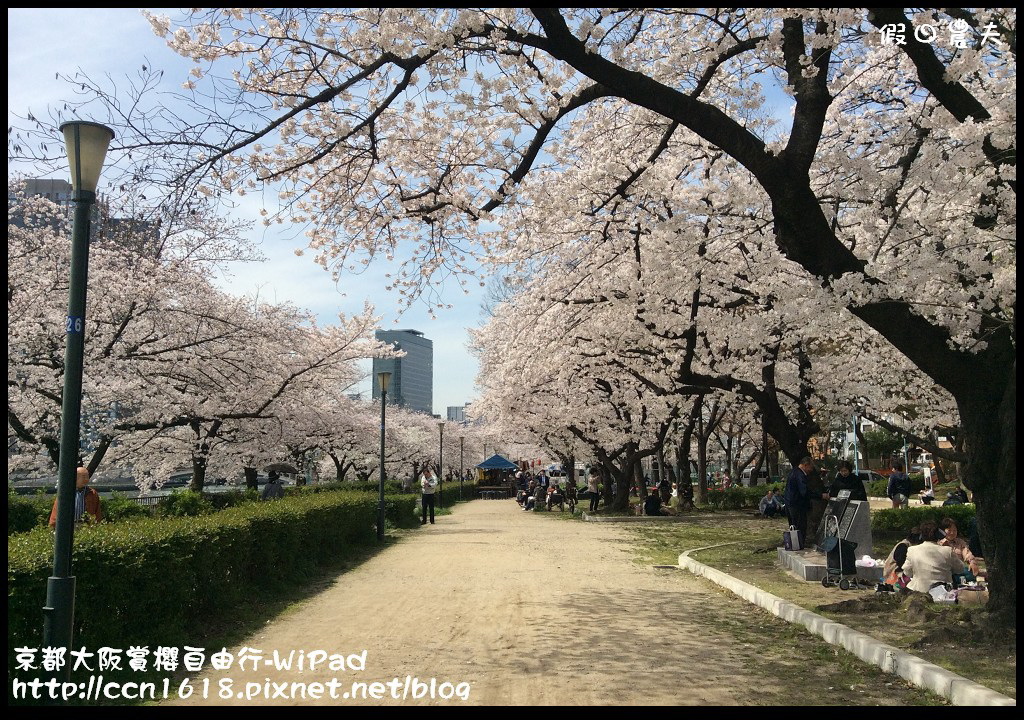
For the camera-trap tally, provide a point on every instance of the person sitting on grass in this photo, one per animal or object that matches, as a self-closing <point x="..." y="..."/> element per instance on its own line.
<point x="652" y="506"/>
<point x="892" y="569"/>
<point x="953" y="540"/>
<point x="770" y="506"/>
<point x="930" y="564"/>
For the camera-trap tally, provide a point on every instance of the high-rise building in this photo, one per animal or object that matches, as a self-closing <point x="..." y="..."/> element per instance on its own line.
<point x="456" y="413"/>
<point x="412" y="376"/>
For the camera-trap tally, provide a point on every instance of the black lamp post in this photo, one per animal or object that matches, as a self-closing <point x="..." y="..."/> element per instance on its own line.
<point x="462" y="472"/>
<point x="440" y="467"/>
<point x="87" y="145"/>
<point x="383" y="380"/>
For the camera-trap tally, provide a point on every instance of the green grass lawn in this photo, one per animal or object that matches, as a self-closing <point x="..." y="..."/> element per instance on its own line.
<point x="949" y="636"/>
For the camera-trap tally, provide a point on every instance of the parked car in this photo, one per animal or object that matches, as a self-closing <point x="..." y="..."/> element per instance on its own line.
<point x="762" y="477"/>
<point x="870" y="476"/>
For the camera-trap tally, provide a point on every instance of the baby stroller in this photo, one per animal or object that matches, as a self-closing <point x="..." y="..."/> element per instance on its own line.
<point x="840" y="561"/>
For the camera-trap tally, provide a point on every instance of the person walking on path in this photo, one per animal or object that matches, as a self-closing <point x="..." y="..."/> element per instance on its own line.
<point x="899" y="486"/>
<point x="594" y="488"/>
<point x="87" y="500"/>
<point x="273" y="488"/>
<point x="429" y="484"/>
<point x="798" y="501"/>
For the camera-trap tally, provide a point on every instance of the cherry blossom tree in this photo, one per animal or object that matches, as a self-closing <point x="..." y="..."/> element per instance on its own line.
<point x="176" y="368"/>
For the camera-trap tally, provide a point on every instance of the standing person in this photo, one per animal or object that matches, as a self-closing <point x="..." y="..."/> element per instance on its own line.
<point x="543" y="480"/>
<point x="594" y="488"/>
<point x="87" y="500"/>
<point x="899" y="486"/>
<point x="846" y="480"/>
<point x="818" y="495"/>
<point x="428" y="483"/>
<point x="273" y="488"/>
<point x="798" y="501"/>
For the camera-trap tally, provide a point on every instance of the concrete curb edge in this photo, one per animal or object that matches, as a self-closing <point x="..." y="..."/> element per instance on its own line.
<point x="956" y="688"/>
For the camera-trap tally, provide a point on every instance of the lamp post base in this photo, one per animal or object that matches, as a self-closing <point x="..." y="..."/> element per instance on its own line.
<point x="59" y="612"/>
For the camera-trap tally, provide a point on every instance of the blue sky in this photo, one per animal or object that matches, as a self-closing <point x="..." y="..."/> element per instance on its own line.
<point x="43" y="42"/>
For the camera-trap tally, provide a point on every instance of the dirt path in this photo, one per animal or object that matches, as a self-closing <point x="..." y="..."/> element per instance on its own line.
<point x="526" y="610"/>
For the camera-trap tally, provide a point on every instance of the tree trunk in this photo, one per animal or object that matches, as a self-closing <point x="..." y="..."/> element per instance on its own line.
<point x="199" y="461"/>
<point x="339" y="472"/>
<point x="702" y="463"/>
<point x="622" y="486"/>
<point x="251" y="478"/>
<point x="606" y="485"/>
<point x="990" y="439"/>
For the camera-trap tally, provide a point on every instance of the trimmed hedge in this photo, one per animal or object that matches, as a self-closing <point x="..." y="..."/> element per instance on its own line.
<point x="902" y="519"/>
<point x="25" y="512"/>
<point x="736" y="498"/>
<point x="120" y="507"/>
<point x="877" y="488"/>
<point x="147" y="581"/>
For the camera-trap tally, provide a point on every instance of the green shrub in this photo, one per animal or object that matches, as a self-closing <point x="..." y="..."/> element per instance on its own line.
<point x="400" y="511"/>
<point x="118" y="507"/>
<point x="878" y="488"/>
<point x="185" y="503"/>
<point x="25" y="512"/>
<point x="152" y="581"/>
<point x="736" y="498"/>
<point x="902" y="519"/>
<point x="224" y="500"/>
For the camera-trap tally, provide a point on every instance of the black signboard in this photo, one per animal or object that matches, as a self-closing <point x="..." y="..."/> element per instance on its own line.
<point x="836" y="507"/>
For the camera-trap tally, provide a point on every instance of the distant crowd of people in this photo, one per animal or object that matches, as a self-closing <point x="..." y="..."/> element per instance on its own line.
<point x="540" y="489"/>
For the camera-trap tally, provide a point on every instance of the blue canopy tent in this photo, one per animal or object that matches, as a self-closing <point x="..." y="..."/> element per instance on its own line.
<point x="497" y="462"/>
<point x="491" y="482"/>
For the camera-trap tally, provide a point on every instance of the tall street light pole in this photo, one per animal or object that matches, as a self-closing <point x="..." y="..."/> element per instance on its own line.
<point x="87" y="145"/>
<point x="383" y="380"/>
<point x="440" y="467"/>
<point x="462" y="472"/>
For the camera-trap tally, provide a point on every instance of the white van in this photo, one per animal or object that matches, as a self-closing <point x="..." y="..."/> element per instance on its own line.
<point x="555" y="471"/>
<point x="762" y="477"/>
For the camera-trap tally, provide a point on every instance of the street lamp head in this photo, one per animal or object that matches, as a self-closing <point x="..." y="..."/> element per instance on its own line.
<point x="441" y="425"/>
<point x="383" y="380"/>
<point x="86" y="144"/>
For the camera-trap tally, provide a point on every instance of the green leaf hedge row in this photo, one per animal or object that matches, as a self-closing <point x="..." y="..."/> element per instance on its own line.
<point x="736" y="498"/>
<point x="25" y="512"/>
<point x="877" y="488"/>
<point x="146" y="581"/>
<point x="902" y="519"/>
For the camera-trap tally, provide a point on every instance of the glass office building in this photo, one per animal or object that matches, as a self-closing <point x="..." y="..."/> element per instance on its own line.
<point x="412" y="376"/>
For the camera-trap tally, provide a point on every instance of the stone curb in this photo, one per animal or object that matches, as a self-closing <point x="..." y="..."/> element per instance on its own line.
<point x="635" y="518"/>
<point x="956" y="688"/>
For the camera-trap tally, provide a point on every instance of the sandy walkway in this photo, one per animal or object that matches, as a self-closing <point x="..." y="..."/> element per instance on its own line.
<point x="472" y="600"/>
